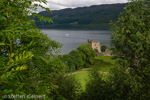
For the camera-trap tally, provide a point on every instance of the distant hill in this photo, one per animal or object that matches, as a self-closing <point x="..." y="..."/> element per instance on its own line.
<point x="96" y="17"/>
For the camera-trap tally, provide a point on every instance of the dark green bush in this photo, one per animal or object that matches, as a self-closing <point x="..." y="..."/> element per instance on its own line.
<point x="66" y="88"/>
<point x="103" y="48"/>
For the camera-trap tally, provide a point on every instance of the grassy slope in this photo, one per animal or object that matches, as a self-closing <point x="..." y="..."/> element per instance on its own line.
<point x="82" y="78"/>
<point x="103" y="63"/>
<point x="108" y="59"/>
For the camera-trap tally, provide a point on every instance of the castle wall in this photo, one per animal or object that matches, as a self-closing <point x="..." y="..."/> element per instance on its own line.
<point x="95" y="45"/>
<point x="108" y="52"/>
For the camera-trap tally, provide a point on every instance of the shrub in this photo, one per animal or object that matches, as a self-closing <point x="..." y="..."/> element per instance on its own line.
<point x="67" y="88"/>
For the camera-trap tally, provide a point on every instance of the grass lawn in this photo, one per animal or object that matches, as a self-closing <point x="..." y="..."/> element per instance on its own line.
<point x="106" y="59"/>
<point x="102" y="63"/>
<point x="82" y="77"/>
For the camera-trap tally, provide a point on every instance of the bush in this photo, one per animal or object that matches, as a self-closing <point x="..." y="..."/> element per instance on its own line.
<point x="103" y="48"/>
<point x="118" y="85"/>
<point x="96" y="88"/>
<point x="88" y="54"/>
<point x="80" y="58"/>
<point x="67" y="88"/>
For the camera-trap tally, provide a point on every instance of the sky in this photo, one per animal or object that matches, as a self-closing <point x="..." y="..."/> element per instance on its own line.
<point x="61" y="4"/>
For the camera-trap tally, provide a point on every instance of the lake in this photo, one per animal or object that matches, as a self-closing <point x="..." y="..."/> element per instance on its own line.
<point x="71" y="39"/>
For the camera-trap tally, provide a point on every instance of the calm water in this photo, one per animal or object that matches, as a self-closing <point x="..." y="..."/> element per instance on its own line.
<point x="71" y="39"/>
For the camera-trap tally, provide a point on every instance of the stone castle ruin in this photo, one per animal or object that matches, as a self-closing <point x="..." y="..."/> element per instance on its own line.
<point x="96" y="46"/>
<point x="107" y="52"/>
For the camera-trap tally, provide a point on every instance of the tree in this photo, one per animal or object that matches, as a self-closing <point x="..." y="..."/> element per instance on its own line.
<point x="74" y="60"/>
<point x="103" y="48"/>
<point x="68" y="88"/>
<point x="131" y="42"/>
<point x="69" y="62"/>
<point x="131" y="35"/>
<point x="82" y="57"/>
<point x="88" y="54"/>
<point x="77" y="59"/>
<point x="25" y="52"/>
<point x="96" y="87"/>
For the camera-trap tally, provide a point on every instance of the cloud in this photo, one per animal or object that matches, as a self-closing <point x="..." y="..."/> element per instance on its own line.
<point x="61" y="4"/>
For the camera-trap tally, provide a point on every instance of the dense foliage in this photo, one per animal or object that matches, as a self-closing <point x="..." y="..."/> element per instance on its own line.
<point x="96" y="88"/>
<point x="131" y="36"/>
<point x="88" y="54"/>
<point x="26" y="58"/>
<point x="29" y="64"/>
<point x="68" y="88"/>
<point x="93" y="17"/>
<point x="131" y="41"/>
<point x="82" y="57"/>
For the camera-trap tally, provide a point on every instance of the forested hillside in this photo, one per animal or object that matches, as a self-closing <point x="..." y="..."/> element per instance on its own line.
<point x="93" y="17"/>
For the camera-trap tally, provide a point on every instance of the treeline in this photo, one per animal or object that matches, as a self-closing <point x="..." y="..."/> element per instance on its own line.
<point x="93" y="17"/>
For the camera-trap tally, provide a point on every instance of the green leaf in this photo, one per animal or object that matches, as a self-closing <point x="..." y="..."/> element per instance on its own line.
<point x="2" y="44"/>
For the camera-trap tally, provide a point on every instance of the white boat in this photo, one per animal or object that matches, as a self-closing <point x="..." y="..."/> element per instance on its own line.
<point x="67" y="35"/>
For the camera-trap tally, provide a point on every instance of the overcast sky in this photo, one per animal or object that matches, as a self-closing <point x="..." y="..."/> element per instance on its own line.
<point x="61" y="4"/>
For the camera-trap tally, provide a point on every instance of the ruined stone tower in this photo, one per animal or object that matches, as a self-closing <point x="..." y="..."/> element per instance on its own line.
<point x="95" y="45"/>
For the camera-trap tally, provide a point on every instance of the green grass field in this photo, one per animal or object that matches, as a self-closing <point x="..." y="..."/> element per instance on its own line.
<point x="102" y="63"/>
<point x="108" y="59"/>
<point x="82" y="77"/>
